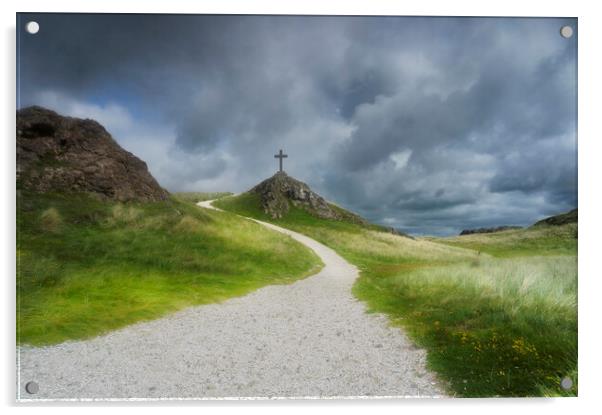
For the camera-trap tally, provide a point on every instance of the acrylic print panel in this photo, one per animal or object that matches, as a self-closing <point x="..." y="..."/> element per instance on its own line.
<point x="234" y="206"/>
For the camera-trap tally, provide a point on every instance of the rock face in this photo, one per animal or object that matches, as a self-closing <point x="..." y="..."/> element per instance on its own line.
<point x="489" y="230"/>
<point x="64" y="154"/>
<point x="562" y="219"/>
<point x="276" y="192"/>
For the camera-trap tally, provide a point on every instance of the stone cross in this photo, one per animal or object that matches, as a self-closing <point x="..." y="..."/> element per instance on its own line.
<point x="280" y="156"/>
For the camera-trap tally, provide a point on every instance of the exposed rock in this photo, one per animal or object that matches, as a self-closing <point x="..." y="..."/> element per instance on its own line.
<point x="279" y="190"/>
<point x="64" y="154"/>
<point x="562" y="219"/>
<point x="489" y="230"/>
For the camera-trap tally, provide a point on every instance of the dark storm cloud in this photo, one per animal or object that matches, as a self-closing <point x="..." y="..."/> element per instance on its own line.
<point x="430" y="125"/>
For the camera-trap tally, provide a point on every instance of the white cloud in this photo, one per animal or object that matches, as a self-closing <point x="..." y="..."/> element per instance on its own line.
<point x="401" y="158"/>
<point x="112" y="116"/>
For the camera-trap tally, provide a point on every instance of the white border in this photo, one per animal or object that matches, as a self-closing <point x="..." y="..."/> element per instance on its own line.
<point x="589" y="197"/>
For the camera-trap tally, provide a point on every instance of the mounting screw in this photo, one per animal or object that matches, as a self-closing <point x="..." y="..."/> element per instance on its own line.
<point x="32" y="387"/>
<point x="32" y="27"/>
<point x="566" y="383"/>
<point x="566" y="31"/>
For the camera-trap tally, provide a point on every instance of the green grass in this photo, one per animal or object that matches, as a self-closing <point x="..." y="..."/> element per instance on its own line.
<point x="536" y="240"/>
<point x="499" y="327"/>
<point x="496" y="312"/>
<point x="86" y="266"/>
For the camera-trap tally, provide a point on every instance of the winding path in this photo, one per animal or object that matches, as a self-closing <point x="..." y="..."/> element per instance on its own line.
<point x="311" y="338"/>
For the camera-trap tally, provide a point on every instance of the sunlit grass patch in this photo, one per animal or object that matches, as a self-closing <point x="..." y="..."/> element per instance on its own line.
<point x="496" y="312"/>
<point x="86" y="266"/>
<point x="352" y="240"/>
<point x="548" y="283"/>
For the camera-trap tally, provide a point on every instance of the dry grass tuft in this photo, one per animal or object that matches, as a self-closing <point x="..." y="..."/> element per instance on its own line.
<point x="51" y="220"/>
<point x="188" y="224"/>
<point x="124" y="214"/>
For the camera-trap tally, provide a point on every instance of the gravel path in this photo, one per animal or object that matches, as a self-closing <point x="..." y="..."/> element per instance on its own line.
<point x="311" y="338"/>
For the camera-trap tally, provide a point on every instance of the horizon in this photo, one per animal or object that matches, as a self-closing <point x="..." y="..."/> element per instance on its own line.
<point x="394" y="118"/>
<point x="260" y="180"/>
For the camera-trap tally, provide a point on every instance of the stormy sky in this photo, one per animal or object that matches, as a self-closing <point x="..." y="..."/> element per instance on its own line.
<point x="429" y="125"/>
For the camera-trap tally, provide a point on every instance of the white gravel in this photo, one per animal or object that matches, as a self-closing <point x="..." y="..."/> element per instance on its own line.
<point x="311" y="338"/>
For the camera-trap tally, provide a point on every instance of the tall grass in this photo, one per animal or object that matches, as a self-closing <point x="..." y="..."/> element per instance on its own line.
<point x="502" y="327"/>
<point x="86" y="266"/>
<point x="547" y="283"/>
<point x="496" y="312"/>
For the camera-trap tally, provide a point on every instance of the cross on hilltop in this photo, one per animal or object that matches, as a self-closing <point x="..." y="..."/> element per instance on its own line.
<point x="280" y="156"/>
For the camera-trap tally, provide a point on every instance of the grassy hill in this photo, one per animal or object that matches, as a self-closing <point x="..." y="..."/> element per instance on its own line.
<point x="86" y="266"/>
<point x="535" y="240"/>
<point x="125" y="250"/>
<point x="496" y="312"/>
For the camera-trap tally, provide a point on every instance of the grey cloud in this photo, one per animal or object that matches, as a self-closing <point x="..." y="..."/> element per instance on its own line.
<point x="549" y="166"/>
<point x="484" y="107"/>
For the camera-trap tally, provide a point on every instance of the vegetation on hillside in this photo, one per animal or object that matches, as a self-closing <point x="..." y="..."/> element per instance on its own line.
<point x="196" y="197"/>
<point x="86" y="266"/>
<point x="536" y="240"/>
<point x="562" y="219"/>
<point x="496" y="312"/>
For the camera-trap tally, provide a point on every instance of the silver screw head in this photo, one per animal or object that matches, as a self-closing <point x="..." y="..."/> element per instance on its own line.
<point x="32" y="27"/>
<point x="566" y="31"/>
<point x="566" y="383"/>
<point x="32" y="387"/>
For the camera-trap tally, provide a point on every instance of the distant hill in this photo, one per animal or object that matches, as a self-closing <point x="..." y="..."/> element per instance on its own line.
<point x="65" y="154"/>
<point x="284" y="198"/>
<point x="562" y="219"/>
<point x="489" y="230"/>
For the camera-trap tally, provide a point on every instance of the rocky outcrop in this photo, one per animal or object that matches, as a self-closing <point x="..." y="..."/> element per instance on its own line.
<point x="279" y="190"/>
<point x="64" y="154"/>
<point x="562" y="219"/>
<point x="489" y="230"/>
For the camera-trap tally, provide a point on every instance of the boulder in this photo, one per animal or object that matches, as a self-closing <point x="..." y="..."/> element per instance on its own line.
<point x="65" y="154"/>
